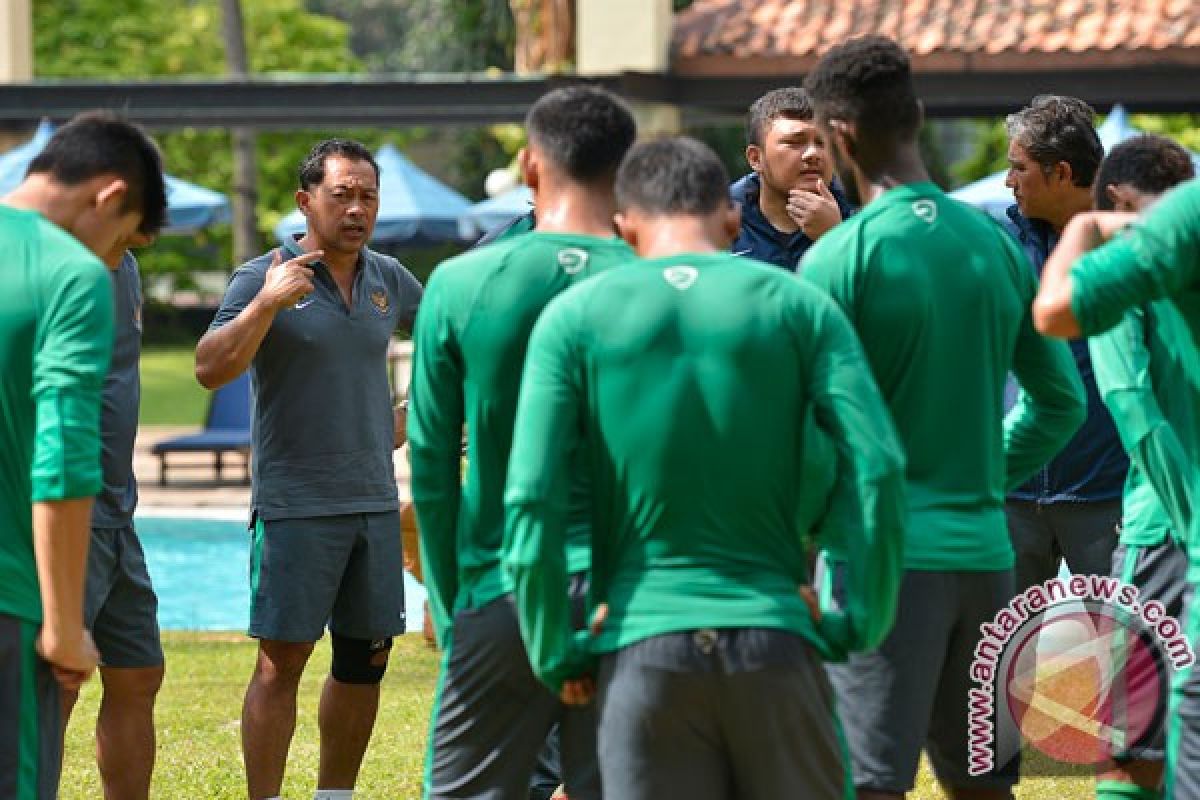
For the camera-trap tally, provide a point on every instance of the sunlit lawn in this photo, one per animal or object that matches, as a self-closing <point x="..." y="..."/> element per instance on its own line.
<point x="170" y="393"/>
<point x="199" y="754"/>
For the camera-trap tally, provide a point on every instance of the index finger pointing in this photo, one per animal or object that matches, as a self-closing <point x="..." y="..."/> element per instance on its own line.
<point x="307" y="258"/>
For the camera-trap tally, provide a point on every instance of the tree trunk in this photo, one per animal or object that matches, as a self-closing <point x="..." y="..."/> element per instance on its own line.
<point x="245" y="172"/>
<point x="545" y="34"/>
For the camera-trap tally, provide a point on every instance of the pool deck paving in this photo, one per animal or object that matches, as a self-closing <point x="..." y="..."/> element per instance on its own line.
<point x="192" y="487"/>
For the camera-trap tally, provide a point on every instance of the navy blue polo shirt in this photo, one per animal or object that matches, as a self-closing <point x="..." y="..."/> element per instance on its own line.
<point x="323" y="422"/>
<point x="117" y="500"/>
<point x="759" y="239"/>
<point x="1093" y="465"/>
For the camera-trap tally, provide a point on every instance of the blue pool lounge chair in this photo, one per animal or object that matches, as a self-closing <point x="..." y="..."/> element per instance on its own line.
<point x="226" y="430"/>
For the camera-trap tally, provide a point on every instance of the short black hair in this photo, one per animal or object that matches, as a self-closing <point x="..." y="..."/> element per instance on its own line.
<point x="673" y="175"/>
<point x="790" y="102"/>
<point x="312" y="168"/>
<point x="1150" y="163"/>
<point x="1056" y="128"/>
<point x="584" y="130"/>
<point x="868" y="81"/>
<point x="101" y="143"/>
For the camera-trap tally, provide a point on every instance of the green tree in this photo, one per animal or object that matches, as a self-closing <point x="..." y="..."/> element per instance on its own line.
<point x="427" y="35"/>
<point x="172" y="38"/>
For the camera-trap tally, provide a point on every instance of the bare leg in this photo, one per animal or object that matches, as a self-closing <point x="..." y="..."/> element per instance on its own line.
<point x="346" y="719"/>
<point x="269" y="714"/>
<point x="125" y="731"/>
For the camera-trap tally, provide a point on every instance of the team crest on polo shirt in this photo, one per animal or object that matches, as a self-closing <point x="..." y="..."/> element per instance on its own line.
<point x="379" y="299"/>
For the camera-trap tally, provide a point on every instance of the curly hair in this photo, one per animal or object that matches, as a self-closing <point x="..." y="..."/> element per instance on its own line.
<point x="867" y="80"/>
<point x="1149" y="163"/>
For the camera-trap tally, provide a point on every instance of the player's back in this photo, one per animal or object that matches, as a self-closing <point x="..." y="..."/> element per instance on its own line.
<point x="938" y="294"/>
<point x="695" y="369"/>
<point x="489" y="299"/>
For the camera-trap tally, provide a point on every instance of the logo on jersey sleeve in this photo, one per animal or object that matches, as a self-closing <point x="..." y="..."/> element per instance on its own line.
<point x="573" y="260"/>
<point x="925" y="209"/>
<point x="379" y="299"/>
<point x="681" y="278"/>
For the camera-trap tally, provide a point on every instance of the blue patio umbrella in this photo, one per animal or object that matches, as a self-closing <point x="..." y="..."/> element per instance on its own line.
<point x="189" y="207"/>
<point x="415" y="208"/>
<point x="991" y="195"/>
<point x="495" y="212"/>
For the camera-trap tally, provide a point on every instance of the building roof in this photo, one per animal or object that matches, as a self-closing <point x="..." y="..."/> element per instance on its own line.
<point x="747" y="37"/>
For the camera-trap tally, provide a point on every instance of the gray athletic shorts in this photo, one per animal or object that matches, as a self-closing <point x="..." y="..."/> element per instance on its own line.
<point x="120" y="606"/>
<point x="1160" y="573"/>
<point x="912" y="691"/>
<point x="492" y="715"/>
<point x="745" y="714"/>
<point x="29" y="716"/>
<point x="1082" y="534"/>
<point x="343" y="571"/>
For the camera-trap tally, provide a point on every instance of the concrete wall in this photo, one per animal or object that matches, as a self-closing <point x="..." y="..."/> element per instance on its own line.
<point x="614" y="36"/>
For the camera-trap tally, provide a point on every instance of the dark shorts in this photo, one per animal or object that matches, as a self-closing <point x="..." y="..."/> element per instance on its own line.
<point x="718" y="715"/>
<point x="120" y="606"/>
<point x="343" y="571"/>
<point x="1160" y="573"/>
<point x="492" y="715"/>
<point x="1082" y="534"/>
<point x="911" y="693"/>
<point x="29" y="716"/>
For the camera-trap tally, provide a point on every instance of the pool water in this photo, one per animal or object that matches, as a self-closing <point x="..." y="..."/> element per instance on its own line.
<point x="201" y="572"/>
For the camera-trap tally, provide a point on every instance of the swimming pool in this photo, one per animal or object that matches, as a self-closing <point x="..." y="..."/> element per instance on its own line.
<point x="200" y="569"/>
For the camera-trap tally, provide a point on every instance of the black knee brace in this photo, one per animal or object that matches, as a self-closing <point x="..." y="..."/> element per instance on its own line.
<point x="361" y="661"/>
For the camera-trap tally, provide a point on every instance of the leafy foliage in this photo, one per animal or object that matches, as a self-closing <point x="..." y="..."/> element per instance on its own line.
<point x="138" y="39"/>
<point x="109" y="39"/>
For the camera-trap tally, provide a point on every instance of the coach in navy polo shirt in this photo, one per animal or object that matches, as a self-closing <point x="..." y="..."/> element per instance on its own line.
<point x="312" y="321"/>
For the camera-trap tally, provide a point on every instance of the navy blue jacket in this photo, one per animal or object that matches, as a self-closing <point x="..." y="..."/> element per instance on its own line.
<point x="1093" y="464"/>
<point x="759" y="239"/>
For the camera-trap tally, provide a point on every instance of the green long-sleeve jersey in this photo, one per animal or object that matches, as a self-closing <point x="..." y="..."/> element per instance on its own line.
<point x="470" y="337"/>
<point x="1157" y="258"/>
<point x="56" y="338"/>
<point x="940" y="297"/>
<point x="1148" y="373"/>
<point x="690" y="380"/>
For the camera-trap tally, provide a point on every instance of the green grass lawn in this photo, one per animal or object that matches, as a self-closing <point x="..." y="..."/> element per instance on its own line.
<point x="170" y="393"/>
<point x="199" y="754"/>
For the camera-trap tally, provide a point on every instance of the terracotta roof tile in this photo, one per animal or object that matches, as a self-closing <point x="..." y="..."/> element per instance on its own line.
<point x="798" y="31"/>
